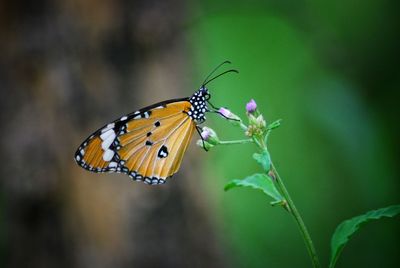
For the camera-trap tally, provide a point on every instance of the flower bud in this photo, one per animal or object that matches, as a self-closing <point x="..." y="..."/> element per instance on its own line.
<point x="257" y="125"/>
<point x="233" y="118"/>
<point x="225" y="112"/>
<point x="261" y="122"/>
<point x="251" y="106"/>
<point x="205" y="134"/>
<point x="252" y="119"/>
<point x="209" y="135"/>
<point x="204" y="144"/>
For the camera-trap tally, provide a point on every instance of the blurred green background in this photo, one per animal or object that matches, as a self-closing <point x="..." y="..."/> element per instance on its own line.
<point x="328" y="69"/>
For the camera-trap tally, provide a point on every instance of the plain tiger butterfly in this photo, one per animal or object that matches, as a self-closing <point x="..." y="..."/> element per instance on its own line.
<point x="149" y="144"/>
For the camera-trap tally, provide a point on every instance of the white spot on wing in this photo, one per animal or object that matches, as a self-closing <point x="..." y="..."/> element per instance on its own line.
<point x="106" y="134"/>
<point x="123" y="118"/>
<point x="108" y="155"/>
<point x="108" y="141"/>
<point x="112" y="164"/>
<point x="78" y="158"/>
<point x="109" y="126"/>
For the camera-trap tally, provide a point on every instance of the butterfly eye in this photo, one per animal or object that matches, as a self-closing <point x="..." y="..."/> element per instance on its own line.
<point x="207" y="96"/>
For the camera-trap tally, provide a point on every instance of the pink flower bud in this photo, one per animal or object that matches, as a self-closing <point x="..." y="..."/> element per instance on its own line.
<point x="251" y="106"/>
<point x="208" y="138"/>
<point x="205" y="134"/>
<point x="233" y="118"/>
<point x="225" y="112"/>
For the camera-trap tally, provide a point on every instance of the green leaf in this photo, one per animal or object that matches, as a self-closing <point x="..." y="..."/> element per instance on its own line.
<point x="347" y="228"/>
<point x="274" y="124"/>
<point x="259" y="182"/>
<point x="264" y="160"/>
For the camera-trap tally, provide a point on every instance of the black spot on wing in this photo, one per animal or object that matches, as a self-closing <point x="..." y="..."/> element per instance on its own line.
<point x="163" y="152"/>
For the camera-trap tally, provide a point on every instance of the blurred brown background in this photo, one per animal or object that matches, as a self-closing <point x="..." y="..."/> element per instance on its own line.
<point x="67" y="67"/>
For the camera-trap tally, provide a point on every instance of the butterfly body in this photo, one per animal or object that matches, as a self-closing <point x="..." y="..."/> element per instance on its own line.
<point x="149" y="144"/>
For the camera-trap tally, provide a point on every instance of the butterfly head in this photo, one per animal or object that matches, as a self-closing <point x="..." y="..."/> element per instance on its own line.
<point x="203" y="91"/>
<point x="199" y="105"/>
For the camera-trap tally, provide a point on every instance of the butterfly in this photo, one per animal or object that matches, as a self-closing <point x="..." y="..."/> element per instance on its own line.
<point x="149" y="144"/>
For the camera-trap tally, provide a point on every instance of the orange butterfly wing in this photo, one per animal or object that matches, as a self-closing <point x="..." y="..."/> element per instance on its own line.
<point x="147" y="145"/>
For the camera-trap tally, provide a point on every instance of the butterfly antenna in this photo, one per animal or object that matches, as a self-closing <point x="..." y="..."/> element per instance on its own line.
<point x="213" y="71"/>
<point x="215" y="77"/>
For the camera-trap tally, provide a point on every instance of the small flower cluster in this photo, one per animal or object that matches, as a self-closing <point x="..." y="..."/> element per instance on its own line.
<point x="257" y="124"/>
<point x="256" y="130"/>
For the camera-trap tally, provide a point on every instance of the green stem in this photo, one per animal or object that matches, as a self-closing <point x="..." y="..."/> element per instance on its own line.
<point x="299" y="220"/>
<point x="243" y="126"/>
<point x="235" y="142"/>
<point x="262" y="143"/>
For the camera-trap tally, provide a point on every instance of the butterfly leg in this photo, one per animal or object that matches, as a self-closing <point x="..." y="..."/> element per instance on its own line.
<point x="199" y="130"/>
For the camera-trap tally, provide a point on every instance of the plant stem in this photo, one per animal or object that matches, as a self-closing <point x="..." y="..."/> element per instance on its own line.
<point x="235" y="142"/>
<point x="299" y="220"/>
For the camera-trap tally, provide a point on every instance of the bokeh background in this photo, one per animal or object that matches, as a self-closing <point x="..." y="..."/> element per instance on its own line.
<point x="330" y="70"/>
